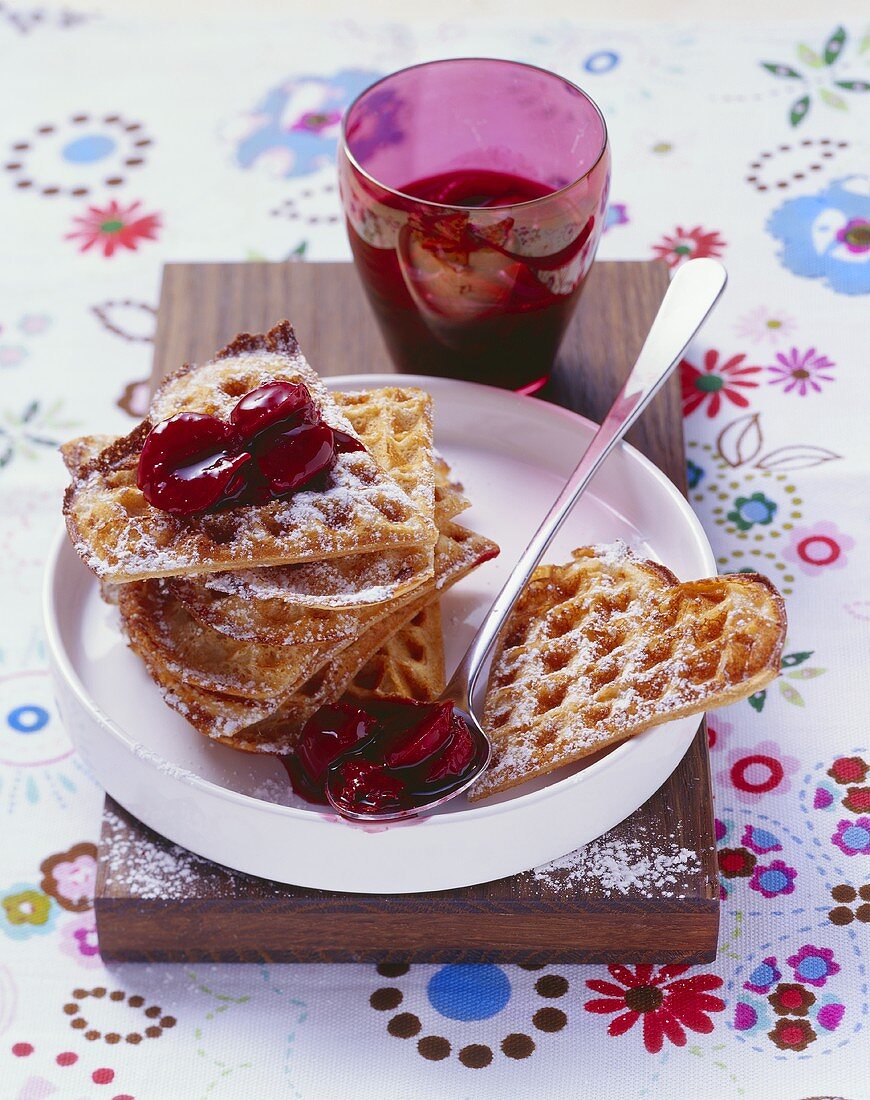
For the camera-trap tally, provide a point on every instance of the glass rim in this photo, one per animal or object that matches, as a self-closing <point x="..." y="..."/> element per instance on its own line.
<point x="345" y="148"/>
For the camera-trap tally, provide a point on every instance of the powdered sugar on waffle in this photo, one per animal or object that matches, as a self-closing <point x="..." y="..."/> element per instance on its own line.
<point x="396" y="426"/>
<point x="360" y="508"/>
<point x="608" y="645"/>
<point x="156" y="544"/>
<point x="371" y="580"/>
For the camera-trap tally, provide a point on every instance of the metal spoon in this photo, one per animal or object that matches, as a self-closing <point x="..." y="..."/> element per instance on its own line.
<point x="693" y="292"/>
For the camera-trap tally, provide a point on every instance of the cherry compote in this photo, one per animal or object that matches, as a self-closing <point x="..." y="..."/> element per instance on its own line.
<point x="274" y="444"/>
<point x="390" y="757"/>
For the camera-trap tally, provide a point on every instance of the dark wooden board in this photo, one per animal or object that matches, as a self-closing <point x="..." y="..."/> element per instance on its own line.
<point x="155" y="901"/>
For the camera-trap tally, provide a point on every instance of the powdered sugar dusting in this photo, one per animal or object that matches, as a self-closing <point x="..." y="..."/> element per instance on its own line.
<point x="157" y="869"/>
<point x="615" y="866"/>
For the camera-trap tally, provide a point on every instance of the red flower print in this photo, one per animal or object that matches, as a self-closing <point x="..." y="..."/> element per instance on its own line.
<point x="688" y="244"/>
<point x="848" y="769"/>
<point x="857" y="800"/>
<point x="667" y="1006"/>
<point x="736" y="862"/>
<point x="790" y="999"/>
<point x="714" y="382"/>
<point x="114" y="226"/>
<point x="792" y="1034"/>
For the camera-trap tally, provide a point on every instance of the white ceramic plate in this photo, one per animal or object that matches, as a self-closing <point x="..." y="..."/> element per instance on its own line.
<point x="512" y="455"/>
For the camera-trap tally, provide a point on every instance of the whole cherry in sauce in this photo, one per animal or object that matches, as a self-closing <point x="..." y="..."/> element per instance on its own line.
<point x="279" y="404"/>
<point x="391" y="756"/>
<point x="330" y="732"/>
<point x="274" y="444"/>
<point x="190" y="463"/>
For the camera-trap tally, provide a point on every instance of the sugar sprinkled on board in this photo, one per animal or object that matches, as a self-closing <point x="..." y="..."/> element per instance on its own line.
<point x="157" y="869"/>
<point x="616" y="866"/>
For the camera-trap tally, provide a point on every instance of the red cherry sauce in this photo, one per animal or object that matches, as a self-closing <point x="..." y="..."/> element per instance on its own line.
<point x="274" y="444"/>
<point x="392" y="756"/>
<point x="453" y="301"/>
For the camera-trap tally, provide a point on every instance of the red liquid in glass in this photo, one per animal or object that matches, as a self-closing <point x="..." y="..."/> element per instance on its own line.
<point x="456" y="298"/>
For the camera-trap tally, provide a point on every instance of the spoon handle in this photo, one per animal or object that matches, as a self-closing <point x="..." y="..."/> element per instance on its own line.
<point x="691" y="295"/>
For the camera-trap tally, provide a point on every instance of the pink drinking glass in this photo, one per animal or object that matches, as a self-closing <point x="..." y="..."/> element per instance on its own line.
<point x="474" y="191"/>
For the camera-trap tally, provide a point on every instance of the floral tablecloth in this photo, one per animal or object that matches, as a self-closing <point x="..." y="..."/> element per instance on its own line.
<point x="127" y="142"/>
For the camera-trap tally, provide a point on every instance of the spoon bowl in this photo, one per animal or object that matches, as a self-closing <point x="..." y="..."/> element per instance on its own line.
<point x="480" y="760"/>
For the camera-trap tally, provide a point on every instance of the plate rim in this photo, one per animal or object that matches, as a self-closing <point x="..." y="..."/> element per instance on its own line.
<point x="62" y="661"/>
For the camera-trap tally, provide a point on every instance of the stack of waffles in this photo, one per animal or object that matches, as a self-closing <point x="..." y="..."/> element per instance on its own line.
<point x="250" y="618"/>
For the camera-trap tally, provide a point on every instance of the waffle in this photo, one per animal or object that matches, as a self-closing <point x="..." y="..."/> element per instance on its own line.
<point x="362" y="509"/>
<point x="162" y="631"/>
<point x="261" y="605"/>
<point x="450" y="498"/>
<point x="608" y="645"/>
<point x="240" y="723"/>
<point x="159" y="627"/>
<point x="223" y="600"/>
<point x="409" y="664"/>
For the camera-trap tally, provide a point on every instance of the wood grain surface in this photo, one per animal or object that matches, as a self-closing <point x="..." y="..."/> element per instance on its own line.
<point x="155" y="901"/>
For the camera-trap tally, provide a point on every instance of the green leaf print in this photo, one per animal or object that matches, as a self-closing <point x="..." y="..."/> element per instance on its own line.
<point x="792" y="659"/>
<point x="805" y="673"/>
<point x="791" y="694"/>
<point x="781" y="70"/>
<point x="834" y="45"/>
<point x="757" y="700"/>
<point x="799" y="110"/>
<point x="809" y="57"/>
<point x="853" y="85"/>
<point x="832" y="99"/>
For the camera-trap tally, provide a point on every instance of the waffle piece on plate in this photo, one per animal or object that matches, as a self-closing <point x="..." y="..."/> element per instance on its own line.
<point x="161" y="629"/>
<point x="360" y="509"/>
<point x="608" y="645"/>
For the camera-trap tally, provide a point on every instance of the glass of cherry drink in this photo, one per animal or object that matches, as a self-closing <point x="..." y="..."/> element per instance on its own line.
<point x="474" y="192"/>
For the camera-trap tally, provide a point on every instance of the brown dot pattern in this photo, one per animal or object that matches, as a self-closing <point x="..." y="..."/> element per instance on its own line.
<point x="80" y="1023"/>
<point x="126" y="135"/>
<point x="405" y="1026"/>
<point x="384" y="999"/>
<point x="549" y="1019"/>
<point x="551" y="985"/>
<point x="105" y="311"/>
<point x="475" y="1056"/>
<point x="392" y="970"/>
<point x="516" y="1046"/>
<point x="291" y="209"/>
<point x="434" y="1047"/>
<point x="847" y="911"/>
<point x="825" y="150"/>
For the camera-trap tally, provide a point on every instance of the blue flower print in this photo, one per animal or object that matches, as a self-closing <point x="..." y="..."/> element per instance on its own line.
<point x="293" y="130"/>
<point x="827" y="236"/>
